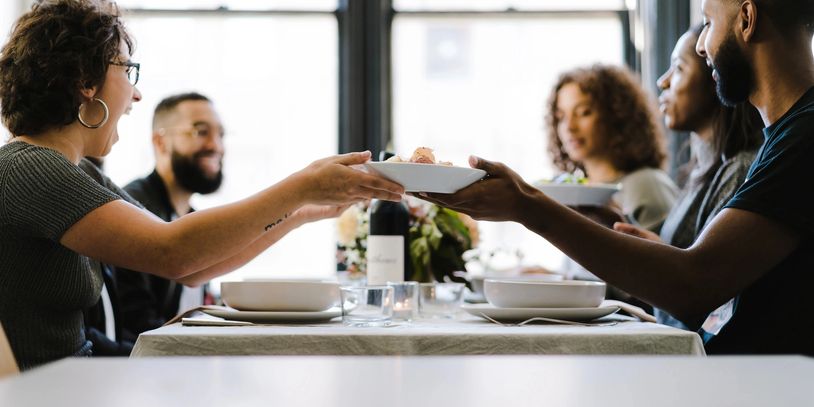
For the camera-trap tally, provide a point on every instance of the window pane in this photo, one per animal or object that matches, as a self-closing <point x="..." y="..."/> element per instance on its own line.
<point x="273" y="80"/>
<point x="477" y="85"/>
<point x="311" y="5"/>
<point x="492" y="5"/>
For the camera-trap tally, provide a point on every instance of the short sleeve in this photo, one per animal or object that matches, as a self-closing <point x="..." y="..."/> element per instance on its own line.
<point x="44" y="194"/>
<point x="647" y="197"/>
<point x="780" y="185"/>
<point x="97" y="174"/>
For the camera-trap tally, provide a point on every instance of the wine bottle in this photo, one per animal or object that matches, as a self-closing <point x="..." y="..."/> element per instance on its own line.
<point x="388" y="241"/>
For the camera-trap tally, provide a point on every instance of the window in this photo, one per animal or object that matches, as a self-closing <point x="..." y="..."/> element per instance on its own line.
<point x="477" y="82"/>
<point x="273" y="79"/>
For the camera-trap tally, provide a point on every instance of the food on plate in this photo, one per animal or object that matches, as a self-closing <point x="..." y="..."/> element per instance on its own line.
<point x="568" y="178"/>
<point x="421" y="155"/>
<point x="577" y="178"/>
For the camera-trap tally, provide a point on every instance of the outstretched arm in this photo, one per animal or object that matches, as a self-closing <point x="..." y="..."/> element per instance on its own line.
<point x="306" y="214"/>
<point x="687" y="283"/>
<point x="120" y="234"/>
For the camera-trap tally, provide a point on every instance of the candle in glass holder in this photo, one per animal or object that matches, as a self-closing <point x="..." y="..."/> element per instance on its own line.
<point x="405" y="300"/>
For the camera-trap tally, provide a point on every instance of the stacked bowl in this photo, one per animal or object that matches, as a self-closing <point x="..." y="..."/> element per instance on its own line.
<point x="279" y="301"/>
<point x="517" y="300"/>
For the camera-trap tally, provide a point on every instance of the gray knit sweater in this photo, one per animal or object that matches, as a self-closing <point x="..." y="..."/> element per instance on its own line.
<point x="43" y="285"/>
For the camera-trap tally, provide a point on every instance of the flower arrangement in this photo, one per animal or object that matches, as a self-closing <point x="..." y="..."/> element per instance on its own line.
<point x="438" y="239"/>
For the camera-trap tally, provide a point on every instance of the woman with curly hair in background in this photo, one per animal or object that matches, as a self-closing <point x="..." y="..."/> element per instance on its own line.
<point x="601" y="122"/>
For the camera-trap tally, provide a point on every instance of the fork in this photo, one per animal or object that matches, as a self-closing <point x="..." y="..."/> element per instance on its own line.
<point x="552" y="320"/>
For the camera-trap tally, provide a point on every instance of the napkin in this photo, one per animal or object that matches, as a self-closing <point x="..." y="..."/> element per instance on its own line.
<point x="196" y="317"/>
<point x="630" y="309"/>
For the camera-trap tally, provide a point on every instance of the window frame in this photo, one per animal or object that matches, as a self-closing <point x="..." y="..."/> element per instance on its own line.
<point x="365" y="85"/>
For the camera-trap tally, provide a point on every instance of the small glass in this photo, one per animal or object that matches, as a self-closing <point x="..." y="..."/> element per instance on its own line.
<point x="367" y="305"/>
<point x="440" y="300"/>
<point x="405" y="300"/>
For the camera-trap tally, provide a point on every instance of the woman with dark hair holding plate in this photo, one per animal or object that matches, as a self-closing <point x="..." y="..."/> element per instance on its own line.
<point x="602" y="123"/>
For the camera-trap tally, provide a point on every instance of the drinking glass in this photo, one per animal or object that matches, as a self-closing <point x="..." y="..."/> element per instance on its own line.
<point x="440" y="300"/>
<point x="367" y="305"/>
<point x="405" y="300"/>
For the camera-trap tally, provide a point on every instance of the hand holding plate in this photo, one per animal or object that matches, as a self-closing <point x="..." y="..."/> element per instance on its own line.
<point x="497" y="197"/>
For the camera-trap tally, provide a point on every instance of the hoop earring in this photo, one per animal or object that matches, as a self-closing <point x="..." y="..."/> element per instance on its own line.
<point x="97" y="125"/>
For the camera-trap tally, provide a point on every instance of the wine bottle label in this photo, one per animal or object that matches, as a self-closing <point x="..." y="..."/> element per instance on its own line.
<point x="385" y="259"/>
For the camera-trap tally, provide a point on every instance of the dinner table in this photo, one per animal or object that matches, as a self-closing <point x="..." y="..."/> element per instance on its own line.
<point x="463" y="335"/>
<point x="471" y="381"/>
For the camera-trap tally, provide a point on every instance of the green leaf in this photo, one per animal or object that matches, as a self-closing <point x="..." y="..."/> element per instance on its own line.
<point x="450" y="224"/>
<point x="434" y="235"/>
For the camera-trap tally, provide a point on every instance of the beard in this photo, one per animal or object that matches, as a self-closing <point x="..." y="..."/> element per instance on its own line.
<point x="735" y="74"/>
<point x="191" y="177"/>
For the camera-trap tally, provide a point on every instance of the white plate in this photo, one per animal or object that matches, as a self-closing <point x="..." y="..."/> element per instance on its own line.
<point x="442" y="179"/>
<point x="275" y="316"/>
<point x="577" y="194"/>
<point x="522" y="314"/>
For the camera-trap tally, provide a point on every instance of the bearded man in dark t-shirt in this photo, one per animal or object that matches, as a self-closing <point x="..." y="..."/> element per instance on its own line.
<point x="745" y="284"/>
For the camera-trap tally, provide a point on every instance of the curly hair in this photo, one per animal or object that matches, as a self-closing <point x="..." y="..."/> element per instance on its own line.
<point x="628" y="130"/>
<point x="55" y="50"/>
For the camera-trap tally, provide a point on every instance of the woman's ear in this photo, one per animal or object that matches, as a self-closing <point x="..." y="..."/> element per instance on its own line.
<point x="88" y="93"/>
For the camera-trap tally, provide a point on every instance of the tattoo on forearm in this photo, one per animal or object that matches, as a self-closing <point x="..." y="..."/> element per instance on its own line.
<point x="277" y="222"/>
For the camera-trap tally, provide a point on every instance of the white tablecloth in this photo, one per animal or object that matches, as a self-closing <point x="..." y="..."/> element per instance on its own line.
<point x="469" y="336"/>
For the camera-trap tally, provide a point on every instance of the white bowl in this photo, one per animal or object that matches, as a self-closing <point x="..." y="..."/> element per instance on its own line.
<point x="539" y="294"/>
<point x="576" y="194"/>
<point x="477" y="281"/>
<point x="280" y="295"/>
<point x="413" y="177"/>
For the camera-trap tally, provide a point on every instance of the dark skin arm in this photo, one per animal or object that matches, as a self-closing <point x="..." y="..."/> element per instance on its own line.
<point x="688" y="283"/>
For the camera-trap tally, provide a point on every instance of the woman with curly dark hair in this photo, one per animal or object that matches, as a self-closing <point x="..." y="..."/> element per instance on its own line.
<point x="601" y="122"/>
<point x="65" y="80"/>
<point x="723" y="144"/>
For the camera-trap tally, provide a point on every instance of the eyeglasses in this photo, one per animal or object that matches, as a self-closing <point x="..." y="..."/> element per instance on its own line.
<point x="132" y="69"/>
<point x="198" y="130"/>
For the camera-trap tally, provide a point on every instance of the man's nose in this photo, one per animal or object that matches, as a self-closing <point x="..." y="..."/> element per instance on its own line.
<point x="700" y="47"/>
<point x="214" y="142"/>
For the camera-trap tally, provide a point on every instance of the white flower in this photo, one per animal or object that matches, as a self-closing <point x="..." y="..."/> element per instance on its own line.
<point x="346" y="226"/>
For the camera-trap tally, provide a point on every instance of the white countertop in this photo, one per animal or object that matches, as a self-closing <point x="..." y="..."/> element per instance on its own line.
<point x="416" y="381"/>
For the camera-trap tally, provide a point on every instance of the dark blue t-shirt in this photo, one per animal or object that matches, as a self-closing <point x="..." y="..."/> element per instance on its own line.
<point x="776" y="313"/>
